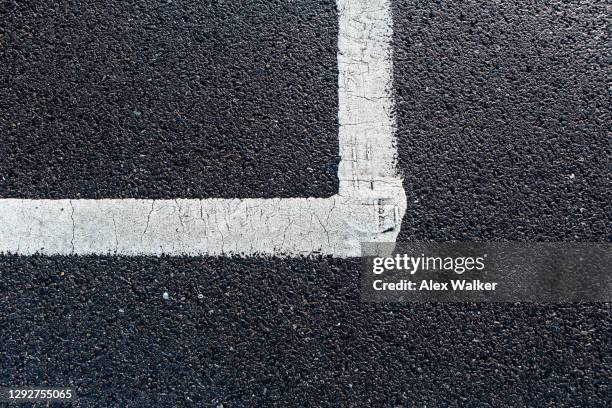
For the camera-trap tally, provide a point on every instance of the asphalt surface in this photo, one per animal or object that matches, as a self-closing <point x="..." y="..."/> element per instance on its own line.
<point x="503" y="117"/>
<point x="189" y="99"/>
<point x="287" y="333"/>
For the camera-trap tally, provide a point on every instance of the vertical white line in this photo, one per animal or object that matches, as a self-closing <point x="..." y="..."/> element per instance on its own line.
<point x="365" y="113"/>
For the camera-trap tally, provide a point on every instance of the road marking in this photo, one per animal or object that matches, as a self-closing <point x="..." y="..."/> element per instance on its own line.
<point x="369" y="206"/>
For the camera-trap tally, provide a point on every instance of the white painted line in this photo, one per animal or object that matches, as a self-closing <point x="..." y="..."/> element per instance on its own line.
<point x="369" y="206"/>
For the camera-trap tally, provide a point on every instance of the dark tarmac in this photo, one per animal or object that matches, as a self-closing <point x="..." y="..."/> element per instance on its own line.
<point x="183" y="99"/>
<point x="503" y="119"/>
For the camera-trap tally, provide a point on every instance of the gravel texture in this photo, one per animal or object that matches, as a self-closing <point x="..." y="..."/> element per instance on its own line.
<point x="271" y="332"/>
<point x="186" y="98"/>
<point x="503" y="114"/>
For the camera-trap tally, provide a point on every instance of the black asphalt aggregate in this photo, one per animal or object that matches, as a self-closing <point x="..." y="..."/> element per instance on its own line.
<point x="189" y="99"/>
<point x="503" y="119"/>
<point x="286" y="333"/>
